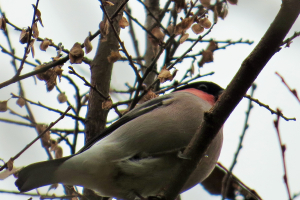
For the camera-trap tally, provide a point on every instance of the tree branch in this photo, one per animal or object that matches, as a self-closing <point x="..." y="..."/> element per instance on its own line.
<point x="250" y="69"/>
<point x="38" y="137"/>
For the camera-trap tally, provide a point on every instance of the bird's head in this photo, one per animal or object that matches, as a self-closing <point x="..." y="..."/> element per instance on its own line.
<point x="208" y="91"/>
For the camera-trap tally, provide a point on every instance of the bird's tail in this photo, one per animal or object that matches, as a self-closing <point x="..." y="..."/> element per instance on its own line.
<point x="38" y="174"/>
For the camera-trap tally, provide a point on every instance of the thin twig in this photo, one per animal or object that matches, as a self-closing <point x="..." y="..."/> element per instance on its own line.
<point x="48" y="108"/>
<point x="161" y="43"/>
<point x="149" y="69"/>
<point x="72" y="71"/>
<point x="226" y="179"/>
<point x="229" y="43"/>
<point x="39" y="38"/>
<point x="118" y="9"/>
<point x="176" y="84"/>
<point x="29" y="40"/>
<point x="154" y="17"/>
<point x="43" y="69"/>
<point x="120" y="42"/>
<point x="16" y="57"/>
<point x="61" y="61"/>
<point x="30" y="116"/>
<point x="288" y="41"/>
<point x="161" y="15"/>
<point x="191" y="7"/>
<point x="133" y="37"/>
<point x="60" y="91"/>
<point x="42" y="196"/>
<point x="38" y="137"/>
<point x="293" y="91"/>
<point x="268" y="108"/>
<point x="283" y="148"/>
<point x="190" y="48"/>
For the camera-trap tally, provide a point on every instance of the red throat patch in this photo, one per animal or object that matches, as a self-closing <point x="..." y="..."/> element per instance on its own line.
<point x="203" y="95"/>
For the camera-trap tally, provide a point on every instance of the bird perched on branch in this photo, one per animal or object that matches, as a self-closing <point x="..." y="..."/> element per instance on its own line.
<point x="137" y="155"/>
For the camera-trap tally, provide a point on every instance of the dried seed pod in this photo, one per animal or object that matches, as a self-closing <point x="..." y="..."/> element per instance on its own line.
<point x="205" y="3"/>
<point x="3" y="106"/>
<point x="150" y="95"/>
<point x="24" y="36"/>
<point x="170" y="29"/>
<point x="76" y="54"/>
<point x="207" y="56"/>
<point x="205" y="23"/>
<point x="62" y="98"/>
<point x="197" y="28"/>
<point x="35" y="30"/>
<point x="40" y="128"/>
<point x="88" y="45"/>
<point x="164" y="75"/>
<point x="2" y="24"/>
<point x="107" y="104"/>
<point x="114" y="56"/>
<point x="21" y="102"/>
<point x="184" y="25"/>
<point x="123" y="23"/>
<point x="45" y="44"/>
<point x="212" y="46"/>
<point x="184" y="38"/>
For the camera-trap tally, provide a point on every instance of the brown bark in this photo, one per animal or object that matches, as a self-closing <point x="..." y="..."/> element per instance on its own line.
<point x="101" y="71"/>
<point x="153" y="6"/>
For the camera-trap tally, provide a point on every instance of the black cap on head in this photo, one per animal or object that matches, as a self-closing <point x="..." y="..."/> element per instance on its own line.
<point x="205" y="86"/>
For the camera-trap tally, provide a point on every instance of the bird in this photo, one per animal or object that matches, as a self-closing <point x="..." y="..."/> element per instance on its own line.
<point x="136" y="156"/>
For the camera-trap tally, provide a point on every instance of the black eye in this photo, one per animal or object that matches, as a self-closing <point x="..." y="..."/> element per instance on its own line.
<point x="202" y="87"/>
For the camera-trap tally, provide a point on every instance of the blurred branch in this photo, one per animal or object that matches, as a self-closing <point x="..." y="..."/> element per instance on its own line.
<point x="283" y="148"/>
<point x="17" y="122"/>
<point x="225" y="181"/>
<point x="144" y="28"/>
<point x="288" y="41"/>
<point x="15" y="57"/>
<point x="133" y="36"/>
<point x="33" y="125"/>
<point x="154" y="17"/>
<point x="38" y="137"/>
<point x="229" y="43"/>
<point x="60" y="91"/>
<point x="213" y="184"/>
<point x="48" y="108"/>
<point x="161" y="15"/>
<point x="72" y="71"/>
<point x="268" y="108"/>
<point x="293" y="91"/>
<point x="42" y="196"/>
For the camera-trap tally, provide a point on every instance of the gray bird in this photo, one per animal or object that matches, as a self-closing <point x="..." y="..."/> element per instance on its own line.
<point x="137" y="155"/>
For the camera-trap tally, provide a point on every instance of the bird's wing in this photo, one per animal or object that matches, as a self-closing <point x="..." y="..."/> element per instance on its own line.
<point x="136" y="112"/>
